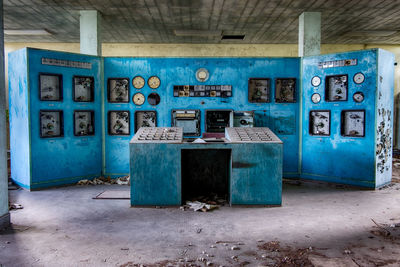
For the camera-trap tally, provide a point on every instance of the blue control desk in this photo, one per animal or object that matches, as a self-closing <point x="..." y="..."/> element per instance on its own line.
<point x="254" y="165"/>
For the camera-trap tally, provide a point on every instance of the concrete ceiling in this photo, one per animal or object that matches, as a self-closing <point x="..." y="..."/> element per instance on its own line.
<point x="154" y="21"/>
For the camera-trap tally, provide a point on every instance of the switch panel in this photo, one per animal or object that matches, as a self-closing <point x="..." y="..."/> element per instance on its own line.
<point x="145" y="118"/>
<point x="118" y="90"/>
<point x="336" y="88"/>
<point x="243" y="119"/>
<point x="51" y="123"/>
<point x="83" y="122"/>
<point x="217" y="120"/>
<point x="285" y="90"/>
<point x="189" y="120"/>
<point x="259" y="90"/>
<point x="320" y="121"/>
<point x="83" y="89"/>
<point x="353" y="123"/>
<point x="202" y="90"/>
<point x="50" y="87"/>
<point x="118" y="122"/>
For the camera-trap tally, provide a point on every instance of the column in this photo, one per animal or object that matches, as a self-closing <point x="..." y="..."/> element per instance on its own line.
<point x="90" y="29"/>
<point x="309" y="34"/>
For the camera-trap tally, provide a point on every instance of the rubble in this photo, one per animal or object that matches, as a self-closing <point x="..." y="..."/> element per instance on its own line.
<point x="15" y="206"/>
<point x="200" y="206"/>
<point x="124" y="180"/>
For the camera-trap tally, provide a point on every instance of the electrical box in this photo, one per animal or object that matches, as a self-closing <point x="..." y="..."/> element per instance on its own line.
<point x="118" y="90"/>
<point x="118" y="122"/>
<point x="243" y="119"/>
<point x="51" y="123"/>
<point x="259" y="90"/>
<point x="189" y="120"/>
<point x="320" y="122"/>
<point x="145" y="118"/>
<point x="336" y="87"/>
<point x="285" y="90"/>
<point x="50" y="87"/>
<point x="83" y="89"/>
<point x="353" y="123"/>
<point x="217" y="120"/>
<point x="83" y="122"/>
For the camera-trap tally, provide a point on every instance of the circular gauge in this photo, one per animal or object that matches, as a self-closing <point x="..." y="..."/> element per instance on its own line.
<point x="358" y="97"/>
<point x="315" y="98"/>
<point x="153" y="99"/>
<point x="202" y="75"/>
<point x="358" y="78"/>
<point x="316" y="81"/>
<point x="154" y="82"/>
<point x="138" y="99"/>
<point x="138" y="82"/>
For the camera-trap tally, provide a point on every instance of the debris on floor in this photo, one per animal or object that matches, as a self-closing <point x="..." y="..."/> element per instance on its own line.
<point x="200" y="206"/>
<point x="125" y="180"/>
<point x="15" y="206"/>
<point x="205" y="203"/>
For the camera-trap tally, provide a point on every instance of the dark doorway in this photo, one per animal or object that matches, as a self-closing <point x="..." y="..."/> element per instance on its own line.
<point x="205" y="173"/>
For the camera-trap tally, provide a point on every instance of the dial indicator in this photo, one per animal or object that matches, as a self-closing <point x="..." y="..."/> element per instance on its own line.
<point x="138" y="99"/>
<point x="154" y="82"/>
<point x="316" y="98"/>
<point x="358" y="97"/>
<point x="359" y="78"/>
<point x="315" y="81"/>
<point x="138" y="82"/>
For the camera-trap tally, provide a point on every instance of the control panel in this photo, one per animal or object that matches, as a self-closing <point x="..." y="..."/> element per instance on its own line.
<point x="118" y="90"/>
<point x="119" y="122"/>
<point x="259" y="90"/>
<point x="243" y="119"/>
<point x="189" y="120"/>
<point x="336" y="87"/>
<point x="202" y="90"/>
<point x="158" y="135"/>
<point x="50" y="87"/>
<point x="320" y="122"/>
<point x="145" y="118"/>
<point x="353" y="123"/>
<point x="217" y="120"/>
<point x="285" y="90"/>
<point x="83" y="122"/>
<point x="51" y="123"/>
<point x="83" y="89"/>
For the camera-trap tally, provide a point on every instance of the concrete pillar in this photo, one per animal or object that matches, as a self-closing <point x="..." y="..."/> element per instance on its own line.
<point x="309" y="34"/>
<point x="4" y="214"/>
<point x="90" y="29"/>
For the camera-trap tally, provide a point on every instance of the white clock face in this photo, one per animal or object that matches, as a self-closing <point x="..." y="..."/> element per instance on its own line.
<point x="358" y="97"/>
<point x="202" y="75"/>
<point x="315" y="98"/>
<point x="154" y="82"/>
<point x="316" y="81"/>
<point x="358" y="78"/>
<point x="138" y="99"/>
<point x="138" y="82"/>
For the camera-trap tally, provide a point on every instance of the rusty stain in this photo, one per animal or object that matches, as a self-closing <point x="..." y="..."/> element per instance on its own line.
<point x="384" y="141"/>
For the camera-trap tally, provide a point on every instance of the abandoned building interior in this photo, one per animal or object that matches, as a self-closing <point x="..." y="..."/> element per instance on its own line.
<point x="199" y="133"/>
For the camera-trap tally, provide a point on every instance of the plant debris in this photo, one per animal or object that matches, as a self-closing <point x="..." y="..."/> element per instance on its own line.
<point x="125" y="180"/>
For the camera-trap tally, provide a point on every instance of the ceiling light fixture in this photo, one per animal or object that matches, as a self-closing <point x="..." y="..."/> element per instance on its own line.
<point x="27" y="32"/>
<point x="198" y="33"/>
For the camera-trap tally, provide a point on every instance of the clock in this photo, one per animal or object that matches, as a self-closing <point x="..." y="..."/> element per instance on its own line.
<point x="138" y="82"/>
<point x="358" y="78"/>
<point x="202" y="75"/>
<point x="316" y="98"/>
<point x="138" y="99"/>
<point x="316" y="81"/>
<point x="358" y="97"/>
<point x="154" y="82"/>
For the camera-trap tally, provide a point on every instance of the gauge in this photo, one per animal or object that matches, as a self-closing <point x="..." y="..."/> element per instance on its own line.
<point x="358" y="78"/>
<point x="138" y="99"/>
<point x="316" y="98"/>
<point x="202" y="75"/>
<point x="153" y="99"/>
<point x="138" y="82"/>
<point x="154" y="82"/>
<point x="358" y="97"/>
<point x="316" y="81"/>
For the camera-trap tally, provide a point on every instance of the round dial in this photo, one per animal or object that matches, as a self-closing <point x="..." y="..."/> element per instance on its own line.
<point x="202" y="75"/>
<point x="316" y="81"/>
<point x="154" y="82"/>
<point x="138" y="82"/>
<point x="316" y="98"/>
<point x="138" y="99"/>
<point x="358" y="78"/>
<point x="358" y="97"/>
<point x="153" y="99"/>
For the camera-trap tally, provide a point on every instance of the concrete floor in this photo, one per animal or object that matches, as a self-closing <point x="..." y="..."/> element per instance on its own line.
<point x="318" y="224"/>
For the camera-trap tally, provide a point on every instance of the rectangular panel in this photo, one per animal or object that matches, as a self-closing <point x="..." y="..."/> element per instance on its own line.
<point x="145" y="118"/>
<point x="353" y="123"/>
<point x="189" y="120"/>
<point x="285" y="90"/>
<point x="259" y="90"/>
<point x="119" y="122"/>
<point x="118" y="90"/>
<point x="51" y="123"/>
<point x="50" y="87"/>
<point x="217" y="120"/>
<point x="83" y="89"/>
<point x="320" y="122"/>
<point x="243" y="119"/>
<point x="336" y="88"/>
<point x="83" y="122"/>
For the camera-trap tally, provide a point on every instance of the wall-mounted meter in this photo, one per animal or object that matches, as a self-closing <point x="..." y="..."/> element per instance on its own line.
<point x="118" y="122"/>
<point x="285" y="90"/>
<point x="353" y="123"/>
<point x="118" y="90"/>
<point x="243" y="119"/>
<point x="83" y="122"/>
<point x="336" y="88"/>
<point x="320" y="122"/>
<point x="83" y="89"/>
<point x="51" y="123"/>
<point x="153" y="99"/>
<point x="189" y="120"/>
<point x="154" y="82"/>
<point x="50" y="87"/>
<point x="145" y="118"/>
<point x="138" y="82"/>
<point x="217" y="120"/>
<point x="259" y="90"/>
